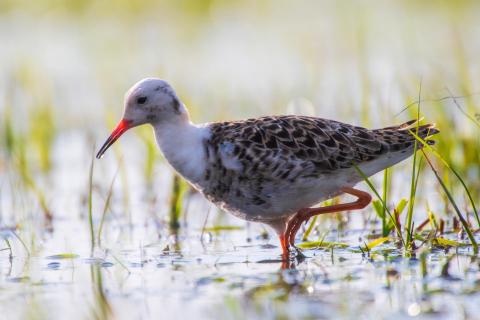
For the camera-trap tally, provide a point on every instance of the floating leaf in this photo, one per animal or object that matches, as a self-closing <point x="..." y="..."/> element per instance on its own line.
<point x="321" y="244"/>
<point x="418" y="237"/>
<point x="447" y="243"/>
<point x="63" y="256"/>
<point x="222" y="228"/>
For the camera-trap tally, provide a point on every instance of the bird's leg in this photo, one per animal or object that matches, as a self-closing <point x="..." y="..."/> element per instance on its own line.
<point x="363" y="199"/>
<point x="284" y="244"/>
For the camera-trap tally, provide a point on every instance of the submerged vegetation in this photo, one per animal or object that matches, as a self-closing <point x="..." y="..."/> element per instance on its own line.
<point x="126" y="233"/>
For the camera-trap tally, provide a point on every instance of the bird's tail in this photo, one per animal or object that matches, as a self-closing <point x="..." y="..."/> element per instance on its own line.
<point x="425" y="131"/>
<point x="403" y="136"/>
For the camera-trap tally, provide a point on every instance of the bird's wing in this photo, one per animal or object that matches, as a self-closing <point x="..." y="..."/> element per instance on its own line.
<point x="288" y="147"/>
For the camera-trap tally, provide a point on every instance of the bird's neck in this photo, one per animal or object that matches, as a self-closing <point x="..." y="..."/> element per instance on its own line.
<point x="182" y="144"/>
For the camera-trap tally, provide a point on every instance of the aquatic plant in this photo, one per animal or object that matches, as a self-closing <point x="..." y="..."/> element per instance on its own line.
<point x="455" y="206"/>
<point x="90" y="202"/>
<point x="393" y="221"/>
<point x="176" y="200"/>
<point x="106" y="207"/>
<point x="23" y="169"/>
<point x="415" y="173"/>
<point x="101" y="308"/>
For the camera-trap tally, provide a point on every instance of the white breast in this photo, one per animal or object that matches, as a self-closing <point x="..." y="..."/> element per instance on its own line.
<point x="183" y="147"/>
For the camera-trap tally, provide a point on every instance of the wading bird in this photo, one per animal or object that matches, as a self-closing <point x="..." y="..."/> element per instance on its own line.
<point x="270" y="169"/>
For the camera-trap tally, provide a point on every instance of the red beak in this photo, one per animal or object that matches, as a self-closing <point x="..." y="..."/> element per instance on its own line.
<point x="121" y="127"/>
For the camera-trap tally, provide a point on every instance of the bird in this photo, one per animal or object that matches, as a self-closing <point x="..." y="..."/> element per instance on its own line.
<point x="271" y="169"/>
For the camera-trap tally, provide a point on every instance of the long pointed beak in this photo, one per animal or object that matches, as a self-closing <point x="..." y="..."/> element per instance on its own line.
<point x="121" y="127"/>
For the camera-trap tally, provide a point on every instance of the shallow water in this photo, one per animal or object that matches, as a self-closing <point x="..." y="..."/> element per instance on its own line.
<point x="225" y="276"/>
<point x="140" y="271"/>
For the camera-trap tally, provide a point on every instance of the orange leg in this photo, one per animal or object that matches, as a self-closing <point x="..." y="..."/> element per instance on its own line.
<point x="284" y="244"/>
<point x="288" y="238"/>
<point x="285" y="252"/>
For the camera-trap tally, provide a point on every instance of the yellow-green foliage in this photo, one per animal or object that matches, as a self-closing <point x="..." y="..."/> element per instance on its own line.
<point x="22" y="168"/>
<point x="8" y="133"/>
<point x="42" y="135"/>
<point x="178" y="190"/>
<point x="101" y="308"/>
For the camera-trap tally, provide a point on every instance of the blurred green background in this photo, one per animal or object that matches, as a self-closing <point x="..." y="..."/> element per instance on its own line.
<point x="65" y="65"/>
<point x="238" y="58"/>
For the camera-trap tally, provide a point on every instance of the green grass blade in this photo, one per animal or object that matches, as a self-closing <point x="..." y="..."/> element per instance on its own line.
<point x="309" y="229"/>
<point x="106" y="207"/>
<point x="431" y="217"/>
<point x="90" y="209"/>
<point x="314" y="220"/>
<point x="379" y="209"/>
<point x="22" y="242"/>
<point x="398" y="210"/>
<point x="178" y="190"/>
<point x="413" y="186"/>
<point x="377" y="242"/>
<point x="454" y="204"/>
<point x="384" y="198"/>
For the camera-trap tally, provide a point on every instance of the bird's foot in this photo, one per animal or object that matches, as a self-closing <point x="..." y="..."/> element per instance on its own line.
<point x="293" y="253"/>
<point x="293" y="257"/>
<point x="297" y="253"/>
<point x="289" y="250"/>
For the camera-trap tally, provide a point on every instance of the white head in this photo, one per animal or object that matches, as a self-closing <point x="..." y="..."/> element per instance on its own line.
<point x="150" y="101"/>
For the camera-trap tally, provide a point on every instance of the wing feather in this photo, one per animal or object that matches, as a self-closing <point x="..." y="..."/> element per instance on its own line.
<point x="289" y="147"/>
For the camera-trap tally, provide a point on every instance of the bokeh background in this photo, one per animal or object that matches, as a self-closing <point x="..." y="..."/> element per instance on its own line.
<point x="65" y="66"/>
<point x="231" y="59"/>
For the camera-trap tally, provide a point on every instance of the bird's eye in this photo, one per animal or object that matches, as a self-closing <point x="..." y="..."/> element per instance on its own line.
<point x="141" y="100"/>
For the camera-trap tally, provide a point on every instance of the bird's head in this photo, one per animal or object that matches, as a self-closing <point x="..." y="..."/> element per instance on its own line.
<point x="149" y="101"/>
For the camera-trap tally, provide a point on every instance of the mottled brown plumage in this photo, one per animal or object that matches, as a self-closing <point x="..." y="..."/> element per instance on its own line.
<point x="256" y="164"/>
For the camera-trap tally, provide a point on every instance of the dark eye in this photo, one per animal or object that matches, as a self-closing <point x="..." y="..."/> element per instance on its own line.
<point x="141" y="100"/>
